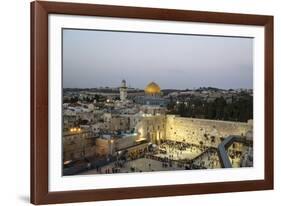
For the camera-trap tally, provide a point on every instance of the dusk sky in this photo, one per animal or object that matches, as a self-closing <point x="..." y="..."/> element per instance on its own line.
<point x="103" y="58"/>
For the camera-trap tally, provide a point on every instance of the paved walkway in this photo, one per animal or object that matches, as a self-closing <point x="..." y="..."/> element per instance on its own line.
<point x="140" y="165"/>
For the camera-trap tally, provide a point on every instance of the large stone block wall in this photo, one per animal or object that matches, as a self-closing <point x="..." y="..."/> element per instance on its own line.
<point x="124" y="142"/>
<point x="193" y="130"/>
<point x="103" y="146"/>
<point x="77" y="145"/>
<point x="152" y="128"/>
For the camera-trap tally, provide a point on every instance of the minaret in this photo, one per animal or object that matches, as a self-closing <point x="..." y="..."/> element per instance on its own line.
<point x="123" y="91"/>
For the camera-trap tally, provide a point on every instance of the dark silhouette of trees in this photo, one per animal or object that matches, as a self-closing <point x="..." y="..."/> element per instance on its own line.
<point x="239" y="109"/>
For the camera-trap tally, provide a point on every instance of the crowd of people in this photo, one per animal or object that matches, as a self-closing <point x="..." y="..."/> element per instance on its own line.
<point x="209" y="160"/>
<point x="238" y="154"/>
<point x="137" y="154"/>
<point x="172" y="155"/>
<point x="179" y="150"/>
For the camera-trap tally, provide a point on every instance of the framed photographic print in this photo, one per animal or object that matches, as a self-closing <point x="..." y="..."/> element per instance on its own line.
<point x="131" y="102"/>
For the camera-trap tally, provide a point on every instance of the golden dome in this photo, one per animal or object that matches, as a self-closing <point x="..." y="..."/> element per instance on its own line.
<point x="152" y="89"/>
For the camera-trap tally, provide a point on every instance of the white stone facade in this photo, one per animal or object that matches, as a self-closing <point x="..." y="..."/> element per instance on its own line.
<point x="152" y="128"/>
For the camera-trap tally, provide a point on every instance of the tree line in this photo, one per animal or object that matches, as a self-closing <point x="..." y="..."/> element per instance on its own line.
<point x="240" y="109"/>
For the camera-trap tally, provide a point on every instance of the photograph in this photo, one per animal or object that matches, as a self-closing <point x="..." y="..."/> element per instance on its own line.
<point x="137" y="102"/>
<point x="132" y="102"/>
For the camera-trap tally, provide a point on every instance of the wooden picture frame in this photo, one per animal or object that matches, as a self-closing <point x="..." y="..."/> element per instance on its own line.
<point x="39" y="102"/>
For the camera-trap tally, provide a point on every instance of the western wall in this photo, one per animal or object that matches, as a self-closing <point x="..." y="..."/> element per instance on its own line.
<point x="209" y="132"/>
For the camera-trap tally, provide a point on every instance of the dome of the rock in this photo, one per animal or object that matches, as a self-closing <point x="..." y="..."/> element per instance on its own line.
<point x="152" y="89"/>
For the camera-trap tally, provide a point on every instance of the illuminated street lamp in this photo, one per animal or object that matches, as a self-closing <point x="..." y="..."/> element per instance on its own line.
<point x="111" y="146"/>
<point x="74" y="129"/>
